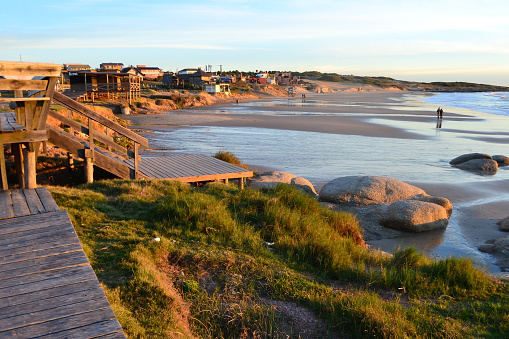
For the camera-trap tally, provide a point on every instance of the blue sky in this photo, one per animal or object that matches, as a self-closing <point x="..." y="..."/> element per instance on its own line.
<point x="410" y="40"/>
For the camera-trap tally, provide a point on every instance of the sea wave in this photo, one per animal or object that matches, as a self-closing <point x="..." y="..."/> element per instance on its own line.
<point x="492" y="102"/>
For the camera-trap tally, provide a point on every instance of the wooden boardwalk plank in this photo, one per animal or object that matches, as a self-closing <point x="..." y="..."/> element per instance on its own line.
<point x="56" y="325"/>
<point x="38" y="305"/>
<point x="54" y="236"/>
<point x="52" y="292"/>
<point x="19" y="203"/>
<point x="42" y="264"/>
<point x="27" y="283"/>
<point x="95" y="330"/>
<point x="5" y="205"/>
<point x="47" y="200"/>
<point x="56" y="312"/>
<point x="30" y="222"/>
<point x="33" y="201"/>
<point x="41" y="251"/>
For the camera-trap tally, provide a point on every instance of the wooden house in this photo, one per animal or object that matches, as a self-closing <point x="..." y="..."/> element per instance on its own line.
<point x="111" y="67"/>
<point x="150" y="73"/>
<point x="96" y="85"/>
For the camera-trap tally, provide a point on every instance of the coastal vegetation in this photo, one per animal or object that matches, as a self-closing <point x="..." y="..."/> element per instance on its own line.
<point x="386" y="82"/>
<point x="219" y="262"/>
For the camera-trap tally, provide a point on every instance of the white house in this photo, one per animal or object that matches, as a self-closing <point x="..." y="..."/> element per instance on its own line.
<point x="218" y="88"/>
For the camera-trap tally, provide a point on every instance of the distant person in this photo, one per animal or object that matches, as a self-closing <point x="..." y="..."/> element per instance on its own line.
<point x="441" y="113"/>
<point x="438" y="112"/>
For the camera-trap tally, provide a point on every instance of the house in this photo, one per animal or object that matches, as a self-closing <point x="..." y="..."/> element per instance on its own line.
<point x="77" y="67"/>
<point x="150" y="73"/>
<point x="102" y="85"/>
<point x="194" y="77"/>
<point x="132" y="70"/>
<point x="170" y="79"/>
<point x="218" y="88"/>
<point x="188" y="71"/>
<point x="285" y="78"/>
<point x="111" y="66"/>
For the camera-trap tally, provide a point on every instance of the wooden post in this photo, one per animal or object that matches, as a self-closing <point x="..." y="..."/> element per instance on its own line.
<point x="70" y="161"/>
<point x="18" y="163"/>
<point x="226" y="181"/>
<point x="29" y="160"/>
<point x="89" y="158"/>
<point x="71" y="129"/>
<point x="89" y="170"/>
<point x="136" y="161"/>
<point x="3" y="171"/>
<point x="242" y="183"/>
<point x="45" y="148"/>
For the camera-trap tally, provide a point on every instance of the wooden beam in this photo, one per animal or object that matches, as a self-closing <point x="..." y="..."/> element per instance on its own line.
<point x="22" y="136"/>
<point x="27" y="85"/>
<point x="29" y="69"/>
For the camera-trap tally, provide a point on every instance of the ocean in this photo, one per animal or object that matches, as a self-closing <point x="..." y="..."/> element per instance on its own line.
<point x="489" y="102"/>
<point x="321" y="157"/>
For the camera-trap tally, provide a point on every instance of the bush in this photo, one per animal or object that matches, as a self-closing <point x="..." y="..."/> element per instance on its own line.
<point x="230" y="158"/>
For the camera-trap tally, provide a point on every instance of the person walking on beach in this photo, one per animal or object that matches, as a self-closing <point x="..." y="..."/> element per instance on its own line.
<point x="438" y="112"/>
<point x="441" y="113"/>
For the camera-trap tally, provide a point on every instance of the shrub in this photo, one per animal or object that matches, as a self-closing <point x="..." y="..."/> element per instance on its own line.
<point x="230" y="158"/>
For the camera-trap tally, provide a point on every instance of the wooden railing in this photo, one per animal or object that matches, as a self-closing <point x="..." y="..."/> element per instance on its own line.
<point x="98" y="146"/>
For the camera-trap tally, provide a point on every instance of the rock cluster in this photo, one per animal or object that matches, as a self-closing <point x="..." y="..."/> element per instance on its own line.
<point x="389" y="202"/>
<point x="272" y="179"/>
<point x="480" y="162"/>
<point x="503" y="225"/>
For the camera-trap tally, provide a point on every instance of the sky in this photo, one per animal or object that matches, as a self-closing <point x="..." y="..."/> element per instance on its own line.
<point x="446" y="40"/>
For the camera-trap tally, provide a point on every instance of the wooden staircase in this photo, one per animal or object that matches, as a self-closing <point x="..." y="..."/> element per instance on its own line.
<point x="100" y="142"/>
<point x="114" y="148"/>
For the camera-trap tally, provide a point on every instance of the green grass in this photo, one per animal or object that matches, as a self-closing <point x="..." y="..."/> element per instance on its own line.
<point x="230" y="158"/>
<point x="226" y="255"/>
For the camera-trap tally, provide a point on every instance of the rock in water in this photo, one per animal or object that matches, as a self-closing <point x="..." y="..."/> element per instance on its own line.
<point x="415" y="216"/>
<point x="470" y="156"/>
<point x="502" y="160"/>
<point x="484" y="165"/>
<point x="367" y="190"/>
<point x="503" y="225"/>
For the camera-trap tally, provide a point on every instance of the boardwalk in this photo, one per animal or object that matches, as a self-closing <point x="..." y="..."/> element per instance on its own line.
<point x="189" y="168"/>
<point x="47" y="286"/>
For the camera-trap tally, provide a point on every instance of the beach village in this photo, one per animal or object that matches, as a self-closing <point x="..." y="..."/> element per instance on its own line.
<point x="103" y="237"/>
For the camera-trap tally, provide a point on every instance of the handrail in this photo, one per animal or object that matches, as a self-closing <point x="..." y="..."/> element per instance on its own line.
<point x="77" y="107"/>
<point x="67" y="139"/>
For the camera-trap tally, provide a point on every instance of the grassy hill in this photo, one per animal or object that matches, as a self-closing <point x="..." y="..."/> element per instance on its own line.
<point x="386" y="82"/>
<point x="235" y="263"/>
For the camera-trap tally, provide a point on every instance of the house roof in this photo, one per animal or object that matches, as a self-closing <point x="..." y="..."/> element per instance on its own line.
<point x="201" y="73"/>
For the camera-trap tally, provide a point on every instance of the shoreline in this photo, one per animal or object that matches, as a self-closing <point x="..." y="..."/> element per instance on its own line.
<point x="392" y="115"/>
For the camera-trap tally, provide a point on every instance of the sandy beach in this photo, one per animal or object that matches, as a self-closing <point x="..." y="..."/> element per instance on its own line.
<point x="369" y="119"/>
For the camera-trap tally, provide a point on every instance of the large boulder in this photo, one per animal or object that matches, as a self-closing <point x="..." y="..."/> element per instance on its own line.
<point x="502" y="160"/>
<point x="484" y="165"/>
<point x="367" y="190"/>
<point x="273" y="178"/>
<point x="503" y="225"/>
<point x="415" y="216"/>
<point x="444" y="202"/>
<point x="382" y="201"/>
<point x="467" y="157"/>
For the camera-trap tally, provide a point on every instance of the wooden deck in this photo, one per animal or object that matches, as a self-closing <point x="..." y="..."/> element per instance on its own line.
<point x="47" y="286"/>
<point x="189" y="168"/>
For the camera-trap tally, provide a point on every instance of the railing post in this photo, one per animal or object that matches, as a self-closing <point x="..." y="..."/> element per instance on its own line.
<point x="30" y="176"/>
<point x="136" y="160"/>
<point x="89" y="158"/>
